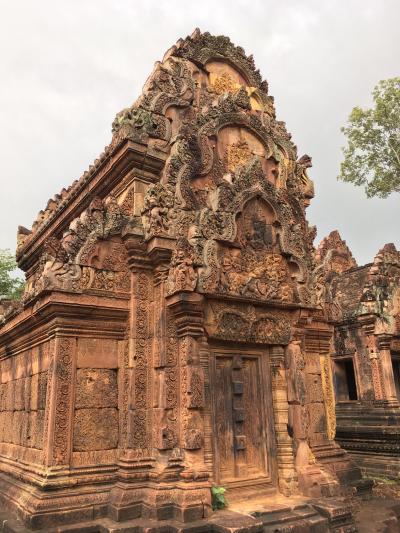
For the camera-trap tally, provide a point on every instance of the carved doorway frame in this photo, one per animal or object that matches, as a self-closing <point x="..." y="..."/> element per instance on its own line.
<point x="262" y="355"/>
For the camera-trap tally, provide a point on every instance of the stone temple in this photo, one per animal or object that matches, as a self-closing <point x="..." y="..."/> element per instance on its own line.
<point x="363" y="304"/>
<point x="174" y="333"/>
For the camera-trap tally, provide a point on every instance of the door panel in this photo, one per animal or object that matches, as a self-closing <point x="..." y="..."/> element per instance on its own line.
<point x="240" y="438"/>
<point x="253" y="426"/>
<point x="224" y="424"/>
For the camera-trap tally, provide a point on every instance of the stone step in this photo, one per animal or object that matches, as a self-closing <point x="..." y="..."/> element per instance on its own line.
<point x="300" y="519"/>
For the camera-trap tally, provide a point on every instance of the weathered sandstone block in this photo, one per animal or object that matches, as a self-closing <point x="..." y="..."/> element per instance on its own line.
<point x="96" y="388"/>
<point x="95" y="429"/>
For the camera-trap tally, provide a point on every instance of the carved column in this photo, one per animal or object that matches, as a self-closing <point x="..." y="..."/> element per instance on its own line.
<point x="135" y="460"/>
<point x="287" y="476"/>
<point x="139" y="361"/>
<point x="187" y="311"/>
<point x="60" y="402"/>
<point x="166" y="359"/>
<point x="386" y="368"/>
<point x="376" y="373"/>
<point x="329" y="395"/>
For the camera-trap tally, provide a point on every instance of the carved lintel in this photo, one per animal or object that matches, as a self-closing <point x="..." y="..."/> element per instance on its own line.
<point x="187" y="308"/>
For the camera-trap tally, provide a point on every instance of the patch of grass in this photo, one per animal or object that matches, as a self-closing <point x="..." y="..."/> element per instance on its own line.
<point x="385" y="480"/>
<point x="385" y="487"/>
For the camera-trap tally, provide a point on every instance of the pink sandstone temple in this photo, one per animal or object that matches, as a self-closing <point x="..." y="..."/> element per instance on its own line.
<point x="179" y="331"/>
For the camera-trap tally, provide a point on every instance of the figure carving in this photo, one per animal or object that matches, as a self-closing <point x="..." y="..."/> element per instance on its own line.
<point x="182" y="275"/>
<point x="158" y="202"/>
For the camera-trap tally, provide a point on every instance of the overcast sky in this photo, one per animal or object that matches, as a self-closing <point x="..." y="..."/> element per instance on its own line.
<point x="67" y="67"/>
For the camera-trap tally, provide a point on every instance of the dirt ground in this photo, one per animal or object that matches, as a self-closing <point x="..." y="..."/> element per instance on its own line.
<point x="381" y="513"/>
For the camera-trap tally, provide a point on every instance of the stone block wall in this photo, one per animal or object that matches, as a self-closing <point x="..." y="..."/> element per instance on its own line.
<point x="95" y="424"/>
<point x="23" y="392"/>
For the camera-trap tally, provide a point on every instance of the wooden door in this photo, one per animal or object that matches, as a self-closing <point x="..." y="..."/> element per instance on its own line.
<point x="241" y="394"/>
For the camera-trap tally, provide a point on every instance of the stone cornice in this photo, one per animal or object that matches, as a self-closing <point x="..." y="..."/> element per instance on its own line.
<point x="126" y="156"/>
<point x="58" y="312"/>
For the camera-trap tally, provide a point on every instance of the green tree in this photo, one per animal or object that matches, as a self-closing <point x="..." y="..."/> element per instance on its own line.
<point x="11" y="287"/>
<point x="372" y="155"/>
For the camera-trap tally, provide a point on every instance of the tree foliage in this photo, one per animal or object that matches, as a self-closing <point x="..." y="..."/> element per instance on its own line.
<point x="372" y="155"/>
<point x="11" y="287"/>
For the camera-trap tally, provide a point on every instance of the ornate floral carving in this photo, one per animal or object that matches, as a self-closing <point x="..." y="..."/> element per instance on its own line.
<point x="195" y="388"/>
<point x="266" y="329"/>
<point x="63" y="401"/>
<point x="224" y="83"/>
<point x="139" y="431"/>
<point x="192" y="394"/>
<point x="169" y="85"/>
<point x="193" y="439"/>
<point x="201" y="47"/>
<point x="166" y="425"/>
<point x="329" y="396"/>
<point x="105" y="280"/>
<point x="57" y="271"/>
<point x="61" y="260"/>
<point x="238" y="154"/>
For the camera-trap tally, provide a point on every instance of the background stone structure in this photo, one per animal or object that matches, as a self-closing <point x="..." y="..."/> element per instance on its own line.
<point x="172" y="332"/>
<point x="363" y="304"/>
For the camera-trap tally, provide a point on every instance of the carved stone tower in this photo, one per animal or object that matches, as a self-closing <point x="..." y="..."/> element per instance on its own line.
<point x="363" y="305"/>
<point x="171" y="334"/>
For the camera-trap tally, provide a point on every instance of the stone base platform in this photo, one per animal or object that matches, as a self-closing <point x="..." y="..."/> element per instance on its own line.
<point x="374" y="441"/>
<point x="297" y="515"/>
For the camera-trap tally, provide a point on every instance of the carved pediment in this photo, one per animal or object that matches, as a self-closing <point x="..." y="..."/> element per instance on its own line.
<point x="230" y="184"/>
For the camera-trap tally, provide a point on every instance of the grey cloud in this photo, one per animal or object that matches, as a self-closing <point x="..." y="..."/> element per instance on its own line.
<point x="68" y="67"/>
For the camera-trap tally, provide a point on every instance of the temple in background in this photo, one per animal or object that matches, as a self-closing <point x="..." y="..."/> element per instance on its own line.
<point x="363" y="305"/>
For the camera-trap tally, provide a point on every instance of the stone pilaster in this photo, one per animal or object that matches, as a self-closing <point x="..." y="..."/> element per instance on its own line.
<point x="135" y="458"/>
<point x="165" y="358"/>
<point x="388" y="388"/>
<point x="186" y="309"/>
<point x="60" y="402"/>
<point x="287" y="476"/>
